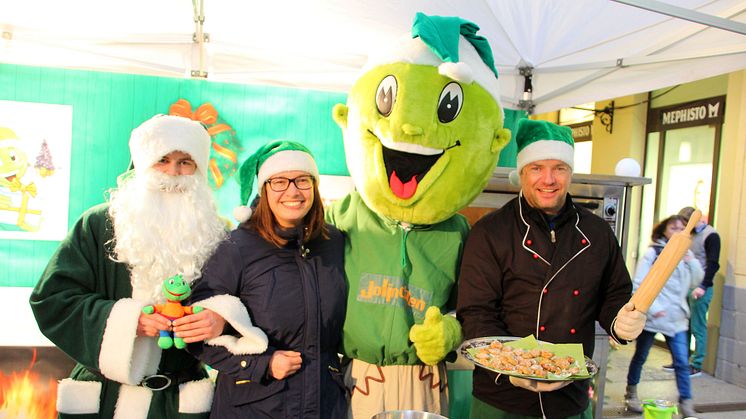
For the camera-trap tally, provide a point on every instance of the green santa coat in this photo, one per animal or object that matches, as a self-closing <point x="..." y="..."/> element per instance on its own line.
<point x="393" y="284"/>
<point x="82" y="303"/>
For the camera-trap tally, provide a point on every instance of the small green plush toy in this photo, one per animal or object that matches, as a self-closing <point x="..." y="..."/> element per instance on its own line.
<point x="175" y="289"/>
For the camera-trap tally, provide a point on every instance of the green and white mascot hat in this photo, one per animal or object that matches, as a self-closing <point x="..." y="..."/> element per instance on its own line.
<point x="423" y="123"/>
<point x="163" y="134"/>
<point x="272" y="158"/>
<point x="449" y="43"/>
<point x="543" y="140"/>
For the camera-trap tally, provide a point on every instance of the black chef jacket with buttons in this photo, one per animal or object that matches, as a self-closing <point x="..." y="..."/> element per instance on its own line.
<point x="520" y="277"/>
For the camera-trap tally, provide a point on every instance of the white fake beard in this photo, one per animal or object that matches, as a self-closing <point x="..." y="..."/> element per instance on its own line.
<point x="163" y="225"/>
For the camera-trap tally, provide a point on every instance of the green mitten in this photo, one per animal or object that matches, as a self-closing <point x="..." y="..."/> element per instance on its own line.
<point x="436" y="337"/>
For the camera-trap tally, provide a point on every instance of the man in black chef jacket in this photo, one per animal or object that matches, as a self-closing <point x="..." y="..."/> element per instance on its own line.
<point x="542" y="266"/>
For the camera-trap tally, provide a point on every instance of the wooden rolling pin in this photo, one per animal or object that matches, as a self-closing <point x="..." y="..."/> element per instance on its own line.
<point x="664" y="266"/>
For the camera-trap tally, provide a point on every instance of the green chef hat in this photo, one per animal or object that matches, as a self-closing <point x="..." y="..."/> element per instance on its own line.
<point x="272" y="158"/>
<point x="542" y="140"/>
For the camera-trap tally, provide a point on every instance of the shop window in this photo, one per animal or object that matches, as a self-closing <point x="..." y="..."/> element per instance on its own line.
<point x="583" y="154"/>
<point x="580" y="119"/>
<point x="577" y="114"/>
<point x="681" y="157"/>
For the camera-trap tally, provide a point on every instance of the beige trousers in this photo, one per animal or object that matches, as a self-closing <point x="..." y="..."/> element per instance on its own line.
<point x="377" y="389"/>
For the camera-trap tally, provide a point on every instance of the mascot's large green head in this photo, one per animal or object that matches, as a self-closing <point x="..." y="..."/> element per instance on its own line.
<point x="423" y="125"/>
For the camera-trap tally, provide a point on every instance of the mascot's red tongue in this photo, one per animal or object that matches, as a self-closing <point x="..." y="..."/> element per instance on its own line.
<point x="402" y="190"/>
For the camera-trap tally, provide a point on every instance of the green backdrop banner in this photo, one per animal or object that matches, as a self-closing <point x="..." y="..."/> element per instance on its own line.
<point x="107" y="106"/>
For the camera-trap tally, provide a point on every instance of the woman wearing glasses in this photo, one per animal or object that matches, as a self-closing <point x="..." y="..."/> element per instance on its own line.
<point x="286" y="266"/>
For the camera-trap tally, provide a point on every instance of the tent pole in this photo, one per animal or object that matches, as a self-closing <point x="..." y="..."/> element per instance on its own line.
<point x="647" y="59"/>
<point x="527" y="103"/>
<point x="199" y="37"/>
<point x="687" y="14"/>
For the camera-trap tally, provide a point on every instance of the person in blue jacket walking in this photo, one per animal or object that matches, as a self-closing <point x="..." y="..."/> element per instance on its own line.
<point x="668" y="315"/>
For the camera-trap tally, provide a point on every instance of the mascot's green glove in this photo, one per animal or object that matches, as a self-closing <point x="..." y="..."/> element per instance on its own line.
<point x="437" y="336"/>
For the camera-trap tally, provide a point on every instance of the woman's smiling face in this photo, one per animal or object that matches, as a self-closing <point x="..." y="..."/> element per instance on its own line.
<point x="291" y="205"/>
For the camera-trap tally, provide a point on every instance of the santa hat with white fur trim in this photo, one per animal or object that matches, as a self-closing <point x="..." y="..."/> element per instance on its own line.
<point x="449" y="43"/>
<point x="543" y="140"/>
<point x="274" y="157"/>
<point x="163" y="134"/>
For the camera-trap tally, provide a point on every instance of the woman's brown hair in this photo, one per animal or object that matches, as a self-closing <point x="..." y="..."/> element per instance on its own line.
<point x="264" y="222"/>
<point x="660" y="228"/>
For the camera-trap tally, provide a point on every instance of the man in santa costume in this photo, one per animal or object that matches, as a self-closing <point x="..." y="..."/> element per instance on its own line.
<point x="159" y="222"/>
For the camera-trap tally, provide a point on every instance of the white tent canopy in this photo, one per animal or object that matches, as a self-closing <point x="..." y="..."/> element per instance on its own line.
<point x="577" y="51"/>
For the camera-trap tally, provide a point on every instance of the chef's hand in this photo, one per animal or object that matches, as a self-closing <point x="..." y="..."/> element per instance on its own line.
<point x="629" y="322"/>
<point x="537" y="386"/>
<point x="437" y="336"/>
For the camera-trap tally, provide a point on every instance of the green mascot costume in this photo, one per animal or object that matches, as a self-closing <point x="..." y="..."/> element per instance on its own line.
<point x="423" y="129"/>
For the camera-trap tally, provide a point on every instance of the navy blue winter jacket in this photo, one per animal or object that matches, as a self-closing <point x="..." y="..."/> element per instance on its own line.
<point x="299" y="302"/>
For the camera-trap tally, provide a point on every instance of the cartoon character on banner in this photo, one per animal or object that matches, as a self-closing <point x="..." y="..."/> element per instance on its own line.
<point x="15" y="191"/>
<point x="423" y="129"/>
<point x="225" y="146"/>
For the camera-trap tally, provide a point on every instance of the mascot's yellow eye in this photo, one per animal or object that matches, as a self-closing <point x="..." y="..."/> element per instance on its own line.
<point x="386" y="95"/>
<point x="12" y="155"/>
<point x="450" y="102"/>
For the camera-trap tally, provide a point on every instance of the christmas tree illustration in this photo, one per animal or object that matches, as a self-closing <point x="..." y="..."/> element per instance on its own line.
<point x="44" y="161"/>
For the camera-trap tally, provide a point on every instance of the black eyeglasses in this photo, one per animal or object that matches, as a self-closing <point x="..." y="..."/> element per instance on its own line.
<point x="281" y="184"/>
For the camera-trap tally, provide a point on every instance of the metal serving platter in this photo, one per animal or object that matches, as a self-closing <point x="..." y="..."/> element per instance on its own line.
<point x="590" y="365"/>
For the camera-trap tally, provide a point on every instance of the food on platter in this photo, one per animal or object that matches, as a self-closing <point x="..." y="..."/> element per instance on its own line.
<point x="535" y="362"/>
<point x="529" y="358"/>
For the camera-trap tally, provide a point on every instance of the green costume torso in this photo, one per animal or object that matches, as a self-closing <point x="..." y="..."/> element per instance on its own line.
<point x="394" y="274"/>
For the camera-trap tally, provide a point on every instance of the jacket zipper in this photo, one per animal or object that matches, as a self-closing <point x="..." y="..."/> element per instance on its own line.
<point x="406" y="228"/>
<point x="551" y="234"/>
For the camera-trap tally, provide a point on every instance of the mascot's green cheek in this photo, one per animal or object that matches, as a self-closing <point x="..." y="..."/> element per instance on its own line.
<point x="407" y="163"/>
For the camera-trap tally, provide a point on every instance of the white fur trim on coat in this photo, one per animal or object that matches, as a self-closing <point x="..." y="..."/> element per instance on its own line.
<point x="133" y="402"/>
<point x="78" y="397"/>
<point x="196" y="396"/>
<point x="252" y="340"/>
<point x="124" y="356"/>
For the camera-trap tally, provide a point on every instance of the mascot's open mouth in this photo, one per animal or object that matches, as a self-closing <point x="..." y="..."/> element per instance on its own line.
<point x="406" y="170"/>
<point x="10" y="176"/>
